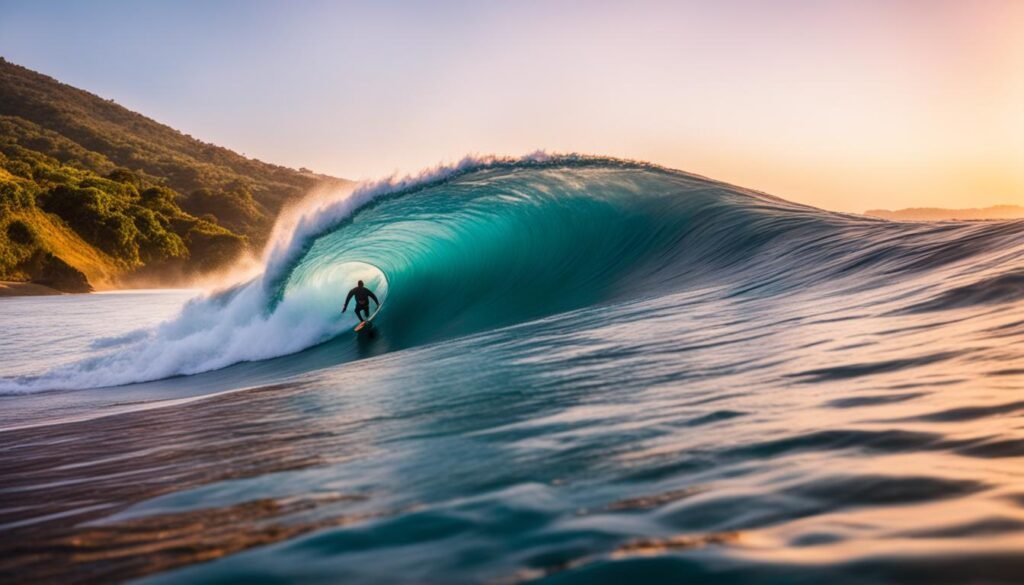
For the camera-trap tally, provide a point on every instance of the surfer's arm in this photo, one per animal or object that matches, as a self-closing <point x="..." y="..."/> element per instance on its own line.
<point x="374" y="297"/>
<point x="347" y="299"/>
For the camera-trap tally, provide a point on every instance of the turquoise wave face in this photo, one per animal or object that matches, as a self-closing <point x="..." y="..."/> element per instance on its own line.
<point x="505" y="244"/>
<point x="502" y="246"/>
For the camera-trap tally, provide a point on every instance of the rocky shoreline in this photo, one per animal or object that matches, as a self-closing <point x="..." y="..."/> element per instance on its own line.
<point x="26" y="289"/>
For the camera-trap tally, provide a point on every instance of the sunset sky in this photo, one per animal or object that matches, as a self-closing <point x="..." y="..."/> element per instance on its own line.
<point x="844" y="105"/>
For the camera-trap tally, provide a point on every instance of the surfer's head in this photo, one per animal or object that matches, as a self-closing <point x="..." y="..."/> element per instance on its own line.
<point x="360" y="283"/>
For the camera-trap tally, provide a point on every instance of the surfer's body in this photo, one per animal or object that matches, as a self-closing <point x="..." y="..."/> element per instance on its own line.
<point x="362" y="296"/>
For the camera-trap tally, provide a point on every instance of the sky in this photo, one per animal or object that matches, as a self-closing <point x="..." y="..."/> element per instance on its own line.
<point x="844" y="105"/>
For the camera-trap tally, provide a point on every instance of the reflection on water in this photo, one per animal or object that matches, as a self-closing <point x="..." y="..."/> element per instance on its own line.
<point x="816" y="438"/>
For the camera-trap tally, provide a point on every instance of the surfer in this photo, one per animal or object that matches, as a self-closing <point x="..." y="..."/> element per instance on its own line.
<point x="363" y="296"/>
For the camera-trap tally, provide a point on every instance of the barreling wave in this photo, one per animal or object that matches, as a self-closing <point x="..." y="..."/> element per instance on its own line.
<point x="490" y="242"/>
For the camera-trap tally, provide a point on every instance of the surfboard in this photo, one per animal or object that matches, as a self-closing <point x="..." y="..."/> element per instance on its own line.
<point x="365" y="326"/>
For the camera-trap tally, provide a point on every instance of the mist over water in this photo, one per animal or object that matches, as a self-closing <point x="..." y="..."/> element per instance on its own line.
<point x="585" y="370"/>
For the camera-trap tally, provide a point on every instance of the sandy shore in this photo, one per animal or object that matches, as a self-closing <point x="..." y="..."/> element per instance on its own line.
<point x="25" y="289"/>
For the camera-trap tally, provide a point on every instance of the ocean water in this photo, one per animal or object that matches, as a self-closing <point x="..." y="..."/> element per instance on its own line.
<point x="584" y="371"/>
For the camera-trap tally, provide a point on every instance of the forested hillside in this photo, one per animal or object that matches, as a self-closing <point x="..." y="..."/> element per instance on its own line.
<point x="92" y="194"/>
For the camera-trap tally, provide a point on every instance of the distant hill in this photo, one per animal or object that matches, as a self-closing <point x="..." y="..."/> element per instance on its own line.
<point x="937" y="214"/>
<point x="92" y="193"/>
